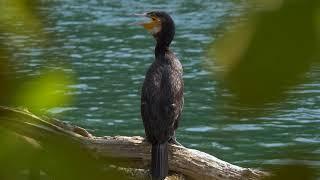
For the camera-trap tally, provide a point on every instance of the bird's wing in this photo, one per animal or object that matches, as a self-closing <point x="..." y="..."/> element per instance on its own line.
<point x="161" y="104"/>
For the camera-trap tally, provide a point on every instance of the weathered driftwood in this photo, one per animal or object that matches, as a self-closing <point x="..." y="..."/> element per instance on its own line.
<point x="129" y="152"/>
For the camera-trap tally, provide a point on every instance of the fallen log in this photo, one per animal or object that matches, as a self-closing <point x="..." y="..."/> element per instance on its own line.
<point x="127" y="153"/>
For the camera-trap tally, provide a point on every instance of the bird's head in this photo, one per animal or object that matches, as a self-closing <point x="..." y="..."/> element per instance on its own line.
<point x="161" y="26"/>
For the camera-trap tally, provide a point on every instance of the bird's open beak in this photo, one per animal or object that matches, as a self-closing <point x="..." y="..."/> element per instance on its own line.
<point x="151" y="24"/>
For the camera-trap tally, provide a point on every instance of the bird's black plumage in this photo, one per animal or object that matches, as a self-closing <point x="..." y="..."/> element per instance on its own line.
<point x="162" y="96"/>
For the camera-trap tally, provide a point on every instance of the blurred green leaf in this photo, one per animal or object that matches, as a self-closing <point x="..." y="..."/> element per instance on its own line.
<point x="44" y="92"/>
<point x="271" y="52"/>
<point x="292" y="172"/>
<point x="4" y="77"/>
<point x="54" y="154"/>
<point x="19" y="17"/>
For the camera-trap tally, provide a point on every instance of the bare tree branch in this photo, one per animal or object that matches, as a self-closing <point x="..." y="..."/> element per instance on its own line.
<point x="126" y="152"/>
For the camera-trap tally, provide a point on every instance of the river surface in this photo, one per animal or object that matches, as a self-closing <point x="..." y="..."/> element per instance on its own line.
<point x="96" y="43"/>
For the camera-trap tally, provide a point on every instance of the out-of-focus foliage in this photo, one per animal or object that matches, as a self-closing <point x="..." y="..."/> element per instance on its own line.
<point x="54" y="156"/>
<point x="20" y="17"/>
<point x="271" y="51"/>
<point x="4" y="79"/>
<point x="44" y="92"/>
<point x="265" y="55"/>
<point x="292" y="172"/>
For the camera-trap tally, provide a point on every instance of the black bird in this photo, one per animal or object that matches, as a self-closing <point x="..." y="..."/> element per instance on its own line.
<point x="162" y="93"/>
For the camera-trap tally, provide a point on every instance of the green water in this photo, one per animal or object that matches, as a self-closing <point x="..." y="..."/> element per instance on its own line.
<point x="94" y="42"/>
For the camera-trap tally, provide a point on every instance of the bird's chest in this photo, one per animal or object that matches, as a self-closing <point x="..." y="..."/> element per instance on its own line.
<point x="157" y="76"/>
<point x="154" y="77"/>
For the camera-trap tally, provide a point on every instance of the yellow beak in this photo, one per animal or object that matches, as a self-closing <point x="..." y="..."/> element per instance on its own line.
<point x="150" y="26"/>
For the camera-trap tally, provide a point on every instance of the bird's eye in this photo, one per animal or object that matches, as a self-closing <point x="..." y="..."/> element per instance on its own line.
<point x="153" y="19"/>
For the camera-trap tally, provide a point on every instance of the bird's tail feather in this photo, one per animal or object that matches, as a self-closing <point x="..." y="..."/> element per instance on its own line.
<point x="159" y="161"/>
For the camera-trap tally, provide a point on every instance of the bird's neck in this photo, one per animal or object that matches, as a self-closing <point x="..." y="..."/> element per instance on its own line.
<point x="161" y="49"/>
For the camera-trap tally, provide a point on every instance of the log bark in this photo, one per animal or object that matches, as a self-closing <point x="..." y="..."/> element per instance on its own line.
<point x="127" y="152"/>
